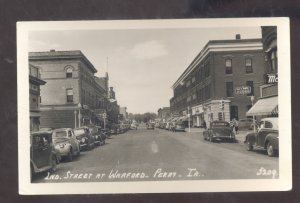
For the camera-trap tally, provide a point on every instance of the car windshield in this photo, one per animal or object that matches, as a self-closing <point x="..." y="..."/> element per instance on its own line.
<point x="79" y="131"/>
<point x="221" y="124"/>
<point x="59" y="134"/>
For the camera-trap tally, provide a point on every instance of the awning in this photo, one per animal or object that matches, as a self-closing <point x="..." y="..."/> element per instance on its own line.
<point x="264" y="107"/>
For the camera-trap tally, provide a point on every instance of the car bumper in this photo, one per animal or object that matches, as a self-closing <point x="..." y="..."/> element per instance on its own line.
<point x="222" y="137"/>
<point x="63" y="151"/>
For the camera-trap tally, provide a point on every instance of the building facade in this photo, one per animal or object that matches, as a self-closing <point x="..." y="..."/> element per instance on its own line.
<point x="70" y="97"/>
<point x="164" y="113"/>
<point x="267" y="105"/>
<point x="34" y="97"/>
<point x="220" y="81"/>
<point x="123" y="113"/>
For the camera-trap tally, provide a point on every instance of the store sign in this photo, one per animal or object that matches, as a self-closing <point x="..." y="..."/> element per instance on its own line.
<point x="271" y="78"/>
<point x="243" y="90"/>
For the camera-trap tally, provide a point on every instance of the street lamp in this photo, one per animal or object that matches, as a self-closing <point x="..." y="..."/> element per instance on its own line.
<point x="253" y="117"/>
<point x="75" y="117"/>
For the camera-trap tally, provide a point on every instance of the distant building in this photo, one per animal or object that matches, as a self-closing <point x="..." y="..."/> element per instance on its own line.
<point x="163" y="113"/>
<point x="219" y="82"/>
<point x="267" y="105"/>
<point x="34" y="97"/>
<point x="69" y="98"/>
<point x="123" y="112"/>
<point x="113" y="109"/>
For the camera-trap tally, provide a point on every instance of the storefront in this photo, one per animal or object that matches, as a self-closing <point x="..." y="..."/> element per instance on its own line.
<point x="197" y="116"/>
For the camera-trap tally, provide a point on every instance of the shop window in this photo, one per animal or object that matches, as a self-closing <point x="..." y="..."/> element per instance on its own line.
<point x="250" y="84"/>
<point x="248" y="64"/>
<point x="228" y="66"/>
<point x="229" y="89"/>
<point x="69" y="95"/>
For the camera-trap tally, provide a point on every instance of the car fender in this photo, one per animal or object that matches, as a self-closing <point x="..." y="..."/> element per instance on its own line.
<point x="251" y="137"/>
<point x="273" y="139"/>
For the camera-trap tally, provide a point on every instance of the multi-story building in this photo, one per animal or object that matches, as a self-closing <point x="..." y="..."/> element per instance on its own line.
<point x="219" y="82"/>
<point x="267" y="105"/>
<point x="163" y="113"/>
<point x="113" y="109"/>
<point x="34" y="97"/>
<point x="69" y="98"/>
<point x="123" y="112"/>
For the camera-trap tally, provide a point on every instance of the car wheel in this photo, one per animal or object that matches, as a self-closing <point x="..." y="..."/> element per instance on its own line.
<point x="70" y="155"/>
<point x="270" y="149"/>
<point x="249" y="146"/>
<point x="53" y="164"/>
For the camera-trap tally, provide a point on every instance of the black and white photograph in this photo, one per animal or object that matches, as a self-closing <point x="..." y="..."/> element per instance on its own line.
<point x="143" y="106"/>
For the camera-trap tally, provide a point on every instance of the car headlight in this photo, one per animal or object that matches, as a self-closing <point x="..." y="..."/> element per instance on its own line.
<point x="83" y="140"/>
<point x="62" y="145"/>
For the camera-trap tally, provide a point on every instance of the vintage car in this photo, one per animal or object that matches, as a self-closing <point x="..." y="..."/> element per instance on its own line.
<point x="43" y="156"/>
<point x="265" y="138"/>
<point x="150" y="126"/>
<point x="246" y="124"/>
<point x="133" y="126"/>
<point x="65" y="143"/>
<point x="85" y="138"/>
<point x="219" y="130"/>
<point x="177" y="126"/>
<point x="98" y="137"/>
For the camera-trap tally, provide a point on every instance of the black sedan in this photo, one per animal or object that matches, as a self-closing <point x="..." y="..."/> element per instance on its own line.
<point x="219" y="130"/>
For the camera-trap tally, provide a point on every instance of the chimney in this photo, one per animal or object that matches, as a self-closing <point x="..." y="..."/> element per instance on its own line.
<point x="238" y="36"/>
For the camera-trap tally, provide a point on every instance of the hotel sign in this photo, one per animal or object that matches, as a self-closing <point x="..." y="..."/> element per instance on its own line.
<point x="271" y="78"/>
<point x="243" y="90"/>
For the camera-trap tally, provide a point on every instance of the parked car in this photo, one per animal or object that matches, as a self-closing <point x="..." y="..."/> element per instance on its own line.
<point x="99" y="139"/>
<point x="85" y="138"/>
<point x="167" y="126"/>
<point x="219" y="130"/>
<point x="265" y="138"/>
<point x="246" y="124"/>
<point x="43" y="156"/>
<point x="65" y="143"/>
<point x="133" y="126"/>
<point x="105" y="132"/>
<point x="150" y="126"/>
<point x="177" y="126"/>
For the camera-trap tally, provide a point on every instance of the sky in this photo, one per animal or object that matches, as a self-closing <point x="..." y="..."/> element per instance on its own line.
<point x="142" y="64"/>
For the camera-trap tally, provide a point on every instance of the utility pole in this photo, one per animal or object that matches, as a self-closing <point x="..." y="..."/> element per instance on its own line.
<point x="189" y="119"/>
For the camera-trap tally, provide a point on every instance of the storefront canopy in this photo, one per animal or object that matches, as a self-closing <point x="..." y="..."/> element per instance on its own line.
<point x="264" y="107"/>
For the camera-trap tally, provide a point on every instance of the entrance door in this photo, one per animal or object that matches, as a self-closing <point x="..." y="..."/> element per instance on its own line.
<point x="234" y="112"/>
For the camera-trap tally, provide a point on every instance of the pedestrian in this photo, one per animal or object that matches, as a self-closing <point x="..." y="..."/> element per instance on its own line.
<point x="236" y="126"/>
<point x="232" y="122"/>
<point x="204" y="125"/>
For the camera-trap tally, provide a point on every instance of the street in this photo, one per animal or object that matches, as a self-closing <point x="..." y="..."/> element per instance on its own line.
<point x="161" y="155"/>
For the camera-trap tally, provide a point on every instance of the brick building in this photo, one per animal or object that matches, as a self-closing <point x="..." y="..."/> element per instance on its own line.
<point x="226" y="72"/>
<point x="34" y="97"/>
<point x="163" y="113"/>
<point x="70" y="97"/>
<point x="267" y="105"/>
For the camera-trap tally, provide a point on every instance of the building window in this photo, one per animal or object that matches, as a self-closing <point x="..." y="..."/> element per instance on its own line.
<point x="229" y="89"/>
<point x="248" y="64"/>
<point x="188" y="83"/>
<point x="34" y="71"/>
<point x="228" y="66"/>
<point x="250" y="84"/>
<point x="69" y="72"/>
<point x="69" y="95"/>
<point x="273" y="57"/>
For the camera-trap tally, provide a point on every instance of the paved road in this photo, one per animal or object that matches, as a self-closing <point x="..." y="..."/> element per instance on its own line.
<point x="142" y="154"/>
